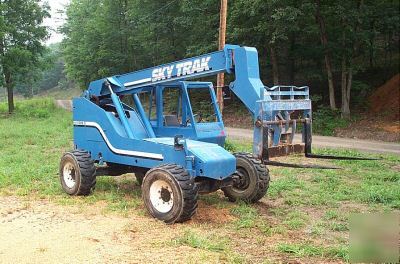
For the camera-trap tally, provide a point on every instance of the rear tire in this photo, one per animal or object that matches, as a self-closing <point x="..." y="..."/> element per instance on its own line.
<point x="77" y="173"/>
<point x="170" y="194"/>
<point x="251" y="179"/>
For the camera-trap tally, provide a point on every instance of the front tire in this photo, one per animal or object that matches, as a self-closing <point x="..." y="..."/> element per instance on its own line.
<point x="170" y="194"/>
<point x="77" y="173"/>
<point x="251" y="179"/>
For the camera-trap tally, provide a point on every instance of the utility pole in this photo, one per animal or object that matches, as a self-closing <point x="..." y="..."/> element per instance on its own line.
<point x="221" y="45"/>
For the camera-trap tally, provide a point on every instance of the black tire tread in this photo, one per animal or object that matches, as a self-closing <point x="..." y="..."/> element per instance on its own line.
<point x="87" y="169"/>
<point x="189" y="190"/>
<point x="263" y="178"/>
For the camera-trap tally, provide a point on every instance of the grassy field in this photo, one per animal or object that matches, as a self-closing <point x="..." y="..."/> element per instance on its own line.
<point x="55" y="93"/>
<point x="62" y="94"/>
<point x="305" y="215"/>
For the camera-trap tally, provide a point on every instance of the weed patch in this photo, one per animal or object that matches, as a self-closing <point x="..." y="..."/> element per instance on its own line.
<point x="310" y="250"/>
<point x="325" y="121"/>
<point x="195" y="240"/>
<point x="247" y="216"/>
<point x="296" y="220"/>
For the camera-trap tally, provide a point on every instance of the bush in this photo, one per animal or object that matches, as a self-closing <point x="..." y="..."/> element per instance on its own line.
<point x="229" y="146"/>
<point x="325" y="121"/>
<point x="359" y="94"/>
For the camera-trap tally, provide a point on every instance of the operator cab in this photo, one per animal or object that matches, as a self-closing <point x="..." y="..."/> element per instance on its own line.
<point x="189" y="109"/>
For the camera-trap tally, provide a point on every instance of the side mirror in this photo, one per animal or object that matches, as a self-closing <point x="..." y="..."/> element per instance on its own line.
<point x="178" y="144"/>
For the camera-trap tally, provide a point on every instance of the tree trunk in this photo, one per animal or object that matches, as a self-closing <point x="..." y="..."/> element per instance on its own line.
<point x="345" y="111"/>
<point x="331" y="86"/>
<point x="347" y="65"/>
<point x="275" y="69"/>
<point x="10" y="92"/>
<point x="292" y="62"/>
<point x="349" y="85"/>
<point x="372" y="44"/>
<point x="347" y="76"/>
<point x="328" y="64"/>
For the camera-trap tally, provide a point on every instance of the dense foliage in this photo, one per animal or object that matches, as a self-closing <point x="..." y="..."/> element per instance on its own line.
<point x="319" y="43"/>
<point x="21" y="40"/>
<point x="47" y="74"/>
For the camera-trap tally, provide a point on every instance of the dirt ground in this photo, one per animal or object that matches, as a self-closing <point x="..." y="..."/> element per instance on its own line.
<point x="372" y="128"/>
<point x="386" y="99"/>
<point x="40" y="231"/>
<point x="382" y="122"/>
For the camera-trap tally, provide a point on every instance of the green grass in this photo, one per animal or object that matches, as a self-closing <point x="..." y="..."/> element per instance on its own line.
<point x="206" y="242"/>
<point x="211" y="242"/>
<point x="58" y="93"/>
<point x="317" y="203"/>
<point x="310" y="250"/>
<point x="364" y="181"/>
<point x="32" y="142"/>
<point x="311" y="204"/>
<point x="247" y="216"/>
<point x="296" y="220"/>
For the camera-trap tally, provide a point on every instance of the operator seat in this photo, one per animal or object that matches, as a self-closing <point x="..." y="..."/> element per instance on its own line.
<point x="171" y="121"/>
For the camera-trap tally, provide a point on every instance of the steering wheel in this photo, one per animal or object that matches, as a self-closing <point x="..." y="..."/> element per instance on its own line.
<point x="200" y="119"/>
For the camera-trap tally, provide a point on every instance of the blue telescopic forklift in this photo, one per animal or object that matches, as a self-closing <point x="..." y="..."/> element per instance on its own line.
<point x="169" y="131"/>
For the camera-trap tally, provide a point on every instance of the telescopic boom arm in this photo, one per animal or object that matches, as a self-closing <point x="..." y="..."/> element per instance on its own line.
<point x="242" y="61"/>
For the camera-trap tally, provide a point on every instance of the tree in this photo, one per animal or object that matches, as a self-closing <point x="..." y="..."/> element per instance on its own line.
<point x="46" y="74"/>
<point x="21" y="36"/>
<point x="202" y="34"/>
<point x="273" y="35"/>
<point x="83" y="30"/>
<point x="325" y="44"/>
<point x="111" y="37"/>
<point x="327" y="53"/>
<point x="350" y="25"/>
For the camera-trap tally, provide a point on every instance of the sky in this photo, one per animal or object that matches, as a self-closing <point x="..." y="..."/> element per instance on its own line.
<point x="56" y="20"/>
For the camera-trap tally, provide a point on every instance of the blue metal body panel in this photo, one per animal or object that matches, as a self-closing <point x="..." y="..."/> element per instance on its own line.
<point x="103" y="135"/>
<point x="211" y="159"/>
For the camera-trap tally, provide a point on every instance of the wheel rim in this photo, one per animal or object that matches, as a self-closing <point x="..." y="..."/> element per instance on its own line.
<point x="69" y="174"/>
<point x="242" y="180"/>
<point x="161" y="196"/>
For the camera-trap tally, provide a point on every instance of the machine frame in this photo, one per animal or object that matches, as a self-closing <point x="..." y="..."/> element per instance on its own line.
<point x="175" y="159"/>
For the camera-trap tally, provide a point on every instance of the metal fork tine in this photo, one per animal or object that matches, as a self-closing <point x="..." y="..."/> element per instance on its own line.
<point x="300" y="166"/>
<point x="316" y="156"/>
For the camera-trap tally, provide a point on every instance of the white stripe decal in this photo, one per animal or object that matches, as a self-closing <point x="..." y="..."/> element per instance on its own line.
<point x="137" y="82"/>
<point x="119" y="151"/>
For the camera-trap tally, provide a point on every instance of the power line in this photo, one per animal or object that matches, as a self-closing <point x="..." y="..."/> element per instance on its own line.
<point x="141" y="20"/>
